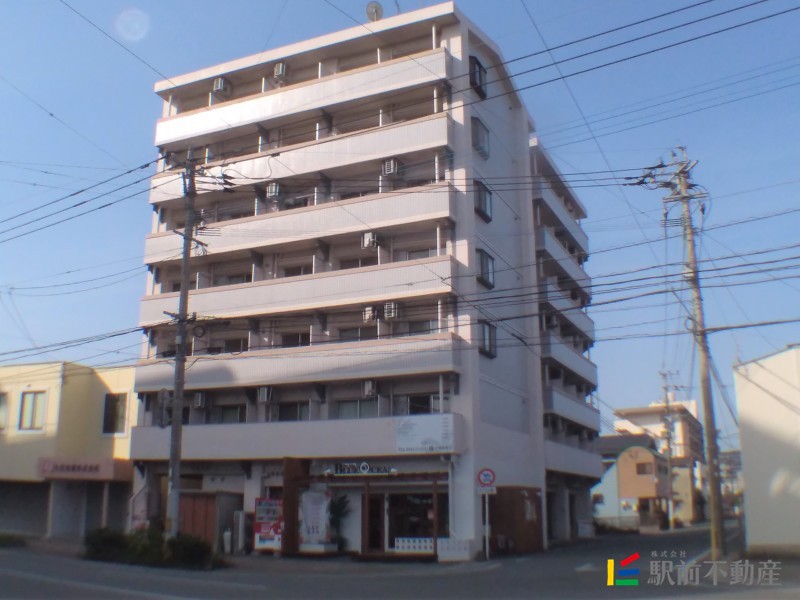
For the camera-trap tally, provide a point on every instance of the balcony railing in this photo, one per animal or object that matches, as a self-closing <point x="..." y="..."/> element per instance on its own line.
<point x="384" y="436"/>
<point x="392" y="281"/>
<point x="555" y="348"/>
<point x="419" y="204"/>
<point x="570" y="407"/>
<point x="375" y="144"/>
<point x="559" y="258"/>
<point x="435" y="353"/>
<point x="566" y="219"/>
<point x="567" y="308"/>
<point x="571" y="460"/>
<point x="310" y="96"/>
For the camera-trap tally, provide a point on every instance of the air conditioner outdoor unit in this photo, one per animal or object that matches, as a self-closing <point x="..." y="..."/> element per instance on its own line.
<point x="369" y="240"/>
<point x="370" y="314"/>
<point x="199" y="400"/>
<point x="280" y="69"/>
<point x="369" y="388"/>
<point x="390" y="167"/>
<point x="265" y="394"/>
<point x="222" y="87"/>
<point x="273" y="190"/>
<point x="391" y="310"/>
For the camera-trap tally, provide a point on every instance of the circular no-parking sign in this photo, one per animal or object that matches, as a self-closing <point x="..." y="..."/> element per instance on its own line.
<point x="486" y="477"/>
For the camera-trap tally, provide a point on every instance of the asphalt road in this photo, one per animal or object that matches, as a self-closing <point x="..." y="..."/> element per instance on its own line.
<point x="576" y="571"/>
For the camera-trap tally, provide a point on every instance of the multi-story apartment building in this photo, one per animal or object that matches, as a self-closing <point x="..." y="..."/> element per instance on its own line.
<point x="382" y="241"/>
<point x="64" y="448"/>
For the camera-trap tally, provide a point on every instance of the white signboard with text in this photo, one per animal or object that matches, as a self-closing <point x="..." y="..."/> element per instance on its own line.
<point x="431" y="434"/>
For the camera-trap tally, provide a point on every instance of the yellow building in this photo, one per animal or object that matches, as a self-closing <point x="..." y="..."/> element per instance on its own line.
<point x="65" y="447"/>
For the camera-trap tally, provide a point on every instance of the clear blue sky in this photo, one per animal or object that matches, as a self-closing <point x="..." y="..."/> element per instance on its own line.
<point x="104" y="113"/>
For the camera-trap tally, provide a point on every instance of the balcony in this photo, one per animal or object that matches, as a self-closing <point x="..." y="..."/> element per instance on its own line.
<point x="334" y="218"/>
<point x="387" y="78"/>
<point x="556" y="206"/>
<point x="574" y="409"/>
<point x="571" y="460"/>
<point x="555" y="348"/>
<point x="436" y="353"/>
<point x="568" y="309"/>
<point x="374" y="144"/>
<point x="547" y="242"/>
<point x="392" y="281"/>
<point x="384" y="436"/>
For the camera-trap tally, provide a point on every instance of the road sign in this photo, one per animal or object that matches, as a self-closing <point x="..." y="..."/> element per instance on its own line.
<point x="487" y="489"/>
<point x="486" y="477"/>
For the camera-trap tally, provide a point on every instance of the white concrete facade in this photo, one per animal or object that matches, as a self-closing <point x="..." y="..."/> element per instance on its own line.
<point x="768" y="401"/>
<point x="353" y="284"/>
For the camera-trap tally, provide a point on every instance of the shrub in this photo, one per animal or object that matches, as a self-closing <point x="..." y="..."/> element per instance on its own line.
<point x="107" y="545"/>
<point x="189" y="551"/>
<point x="146" y="547"/>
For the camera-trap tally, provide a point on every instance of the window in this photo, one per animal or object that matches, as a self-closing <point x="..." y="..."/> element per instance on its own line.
<point x="356" y="263"/>
<point x="421" y="327"/>
<point x="298" y="270"/>
<point x="233" y="414"/>
<point x="3" y="411"/>
<point x="483" y="201"/>
<point x="236" y="345"/>
<point x="116" y="409"/>
<point x="232" y="279"/>
<point x="477" y="76"/>
<point x="31" y="411"/>
<point x="363" y="408"/>
<point x="356" y="334"/>
<point x="480" y="137"/>
<point x="485" y="268"/>
<point x="644" y="468"/>
<point x="295" y="340"/>
<point x="293" y="411"/>
<point x="412" y="405"/>
<point x="488" y="339"/>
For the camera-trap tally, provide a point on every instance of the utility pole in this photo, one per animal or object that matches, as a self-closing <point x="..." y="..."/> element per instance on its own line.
<point x="668" y="435"/>
<point x="679" y="183"/>
<point x="176" y="427"/>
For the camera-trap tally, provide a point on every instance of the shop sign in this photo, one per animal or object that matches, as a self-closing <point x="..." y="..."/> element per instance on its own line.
<point x="428" y="434"/>
<point x="315" y="517"/>
<point x="268" y="524"/>
<point x="361" y="468"/>
<point x="76" y="468"/>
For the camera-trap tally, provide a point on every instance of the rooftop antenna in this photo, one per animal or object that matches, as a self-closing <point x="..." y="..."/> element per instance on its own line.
<point x="374" y="11"/>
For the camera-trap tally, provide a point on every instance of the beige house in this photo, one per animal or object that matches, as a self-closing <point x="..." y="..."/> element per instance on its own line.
<point x="64" y="447"/>
<point x="688" y="460"/>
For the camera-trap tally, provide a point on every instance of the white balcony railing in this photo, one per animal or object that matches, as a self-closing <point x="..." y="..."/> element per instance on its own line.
<point x="375" y="144"/>
<point x="382" y="436"/>
<point x="568" y="459"/>
<point x="568" y="222"/>
<point x="561" y="302"/>
<point x="333" y="218"/>
<point x="392" y="281"/>
<point x="572" y="408"/>
<point x="385" y="78"/>
<point x="562" y="260"/>
<point x="391" y="357"/>
<point x="557" y="349"/>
